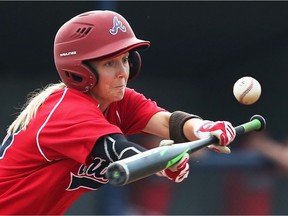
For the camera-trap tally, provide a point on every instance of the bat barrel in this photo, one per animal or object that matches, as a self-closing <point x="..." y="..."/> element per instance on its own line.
<point x="144" y="164"/>
<point x="121" y="173"/>
<point x="117" y="173"/>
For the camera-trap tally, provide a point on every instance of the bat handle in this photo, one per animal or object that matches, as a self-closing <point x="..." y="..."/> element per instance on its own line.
<point x="261" y="120"/>
<point x="256" y="123"/>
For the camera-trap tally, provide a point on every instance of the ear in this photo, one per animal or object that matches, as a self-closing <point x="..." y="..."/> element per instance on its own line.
<point x="135" y="64"/>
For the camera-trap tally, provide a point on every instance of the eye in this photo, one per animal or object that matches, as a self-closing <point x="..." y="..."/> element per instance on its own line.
<point x="109" y="63"/>
<point x="126" y="59"/>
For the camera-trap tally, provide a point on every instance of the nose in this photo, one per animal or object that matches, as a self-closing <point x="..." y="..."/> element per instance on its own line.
<point x="123" y="70"/>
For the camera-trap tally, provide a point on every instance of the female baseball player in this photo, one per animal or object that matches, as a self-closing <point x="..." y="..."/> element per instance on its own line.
<point x="67" y="134"/>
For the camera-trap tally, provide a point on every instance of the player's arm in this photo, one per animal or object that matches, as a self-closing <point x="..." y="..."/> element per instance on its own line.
<point x="160" y="124"/>
<point x="114" y="147"/>
<point x="182" y="127"/>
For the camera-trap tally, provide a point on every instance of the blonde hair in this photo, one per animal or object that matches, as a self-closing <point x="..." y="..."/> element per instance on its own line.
<point x="34" y="100"/>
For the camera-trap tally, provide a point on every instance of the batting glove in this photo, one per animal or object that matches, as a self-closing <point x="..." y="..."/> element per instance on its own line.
<point x="179" y="171"/>
<point x="223" y="130"/>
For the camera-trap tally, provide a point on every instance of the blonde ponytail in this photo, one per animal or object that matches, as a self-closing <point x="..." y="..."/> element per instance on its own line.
<point x="34" y="101"/>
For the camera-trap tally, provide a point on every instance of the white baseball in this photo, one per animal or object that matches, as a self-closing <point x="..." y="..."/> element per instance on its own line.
<point x="247" y="90"/>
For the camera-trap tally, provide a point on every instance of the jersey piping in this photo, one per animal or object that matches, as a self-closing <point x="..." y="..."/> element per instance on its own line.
<point x="46" y="121"/>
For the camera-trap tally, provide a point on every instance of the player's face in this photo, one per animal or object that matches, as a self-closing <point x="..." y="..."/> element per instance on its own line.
<point x="113" y="77"/>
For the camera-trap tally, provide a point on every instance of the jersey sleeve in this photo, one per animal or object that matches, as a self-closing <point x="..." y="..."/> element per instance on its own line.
<point x="75" y="141"/>
<point x="71" y="129"/>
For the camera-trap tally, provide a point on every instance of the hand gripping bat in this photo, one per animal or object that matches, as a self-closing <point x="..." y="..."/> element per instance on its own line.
<point x="154" y="160"/>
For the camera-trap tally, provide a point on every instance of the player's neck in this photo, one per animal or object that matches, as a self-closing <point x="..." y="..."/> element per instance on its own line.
<point x="102" y="105"/>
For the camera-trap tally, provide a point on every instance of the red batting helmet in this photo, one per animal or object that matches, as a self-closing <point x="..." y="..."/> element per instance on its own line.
<point x="93" y="35"/>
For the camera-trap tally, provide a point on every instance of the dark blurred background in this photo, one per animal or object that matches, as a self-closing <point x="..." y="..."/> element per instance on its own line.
<point x="198" y="50"/>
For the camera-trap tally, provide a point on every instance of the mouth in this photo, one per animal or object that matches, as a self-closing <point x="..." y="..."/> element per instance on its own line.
<point x="120" y="86"/>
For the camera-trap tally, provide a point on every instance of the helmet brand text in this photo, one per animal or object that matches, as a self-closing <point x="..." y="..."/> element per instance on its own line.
<point x="68" y="53"/>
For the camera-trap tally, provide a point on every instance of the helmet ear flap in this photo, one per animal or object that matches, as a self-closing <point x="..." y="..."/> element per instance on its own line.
<point x="135" y="64"/>
<point x="79" y="78"/>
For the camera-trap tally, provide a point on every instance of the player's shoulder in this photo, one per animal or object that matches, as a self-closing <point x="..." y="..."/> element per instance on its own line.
<point x="130" y="92"/>
<point x="72" y="99"/>
<point x="77" y="96"/>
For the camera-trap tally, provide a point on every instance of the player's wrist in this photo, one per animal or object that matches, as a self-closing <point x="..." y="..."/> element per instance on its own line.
<point x="177" y="121"/>
<point x="191" y="126"/>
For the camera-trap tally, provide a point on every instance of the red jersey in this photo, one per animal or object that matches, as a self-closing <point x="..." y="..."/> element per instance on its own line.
<point x="46" y="167"/>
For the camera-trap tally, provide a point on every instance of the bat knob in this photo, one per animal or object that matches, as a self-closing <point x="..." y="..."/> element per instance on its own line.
<point x="261" y="120"/>
<point x="116" y="174"/>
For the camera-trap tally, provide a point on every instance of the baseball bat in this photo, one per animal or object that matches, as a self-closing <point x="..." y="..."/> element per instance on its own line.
<point x="154" y="160"/>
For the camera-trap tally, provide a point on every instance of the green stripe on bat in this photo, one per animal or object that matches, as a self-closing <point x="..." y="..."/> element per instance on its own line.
<point x="174" y="160"/>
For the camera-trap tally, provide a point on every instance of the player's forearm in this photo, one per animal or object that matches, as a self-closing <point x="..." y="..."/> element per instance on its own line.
<point x="159" y="125"/>
<point x="189" y="128"/>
